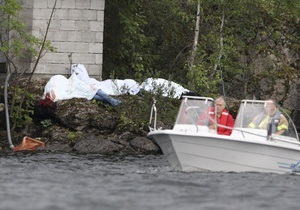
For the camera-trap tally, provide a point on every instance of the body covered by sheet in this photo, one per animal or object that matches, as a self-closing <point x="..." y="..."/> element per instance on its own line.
<point x="64" y="88"/>
<point x="119" y="87"/>
<point x="165" y="87"/>
<point x="109" y="86"/>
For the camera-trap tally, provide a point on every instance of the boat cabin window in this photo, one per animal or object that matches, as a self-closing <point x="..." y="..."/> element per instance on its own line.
<point x="195" y="110"/>
<point x="252" y="113"/>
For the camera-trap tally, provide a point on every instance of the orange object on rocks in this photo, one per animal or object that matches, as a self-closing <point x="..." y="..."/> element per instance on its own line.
<point x="29" y="144"/>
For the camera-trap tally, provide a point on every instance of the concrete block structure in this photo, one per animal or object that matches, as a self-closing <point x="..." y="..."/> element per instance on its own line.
<point x="76" y="30"/>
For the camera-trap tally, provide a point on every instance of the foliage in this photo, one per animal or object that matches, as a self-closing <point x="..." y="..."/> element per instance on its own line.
<point x="132" y="58"/>
<point x="154" y="39"/>
<point x="202" y="82"/>
<point x="73" y="136"/>
<point x="14" y="39"/>
<point x="46" y="123"/>
<point x="142" y="37"/>
<point x="24" y="116"/>
<point x="134" y="117"/>
<point x="17" y="44"/>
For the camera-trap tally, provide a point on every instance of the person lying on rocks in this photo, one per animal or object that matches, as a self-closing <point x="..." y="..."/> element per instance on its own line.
<point x="129" y="86"/>
<point x="111" y="87"/>
<point x="61" y="88"/>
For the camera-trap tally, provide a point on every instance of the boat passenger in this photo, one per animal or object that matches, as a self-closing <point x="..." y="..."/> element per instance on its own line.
<point x="273" y="116"/>
<point x="223" y="117"/>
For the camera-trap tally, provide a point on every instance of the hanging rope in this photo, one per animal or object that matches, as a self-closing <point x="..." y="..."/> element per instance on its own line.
<point x="11" y="146"/>
<point x="221" y="76"/>
<point x="221" y="52"/>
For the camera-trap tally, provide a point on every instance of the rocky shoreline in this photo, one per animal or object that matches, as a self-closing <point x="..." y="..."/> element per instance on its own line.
<point x="83" y="126"/>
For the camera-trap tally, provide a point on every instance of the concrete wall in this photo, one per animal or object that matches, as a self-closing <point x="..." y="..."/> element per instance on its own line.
<point x="76" y="29"/>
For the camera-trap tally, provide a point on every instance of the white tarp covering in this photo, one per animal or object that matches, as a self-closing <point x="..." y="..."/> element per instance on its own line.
<point x="81" y="85"/>
<point x="110" y="87"/>
<point x="68" y="88"/>
<point x="118" y="87"/>
<point x="165" y="87"/>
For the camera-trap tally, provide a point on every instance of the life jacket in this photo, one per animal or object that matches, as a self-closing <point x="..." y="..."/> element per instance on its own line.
<point x="263" y="119"/>
<point x="220" y="120"/>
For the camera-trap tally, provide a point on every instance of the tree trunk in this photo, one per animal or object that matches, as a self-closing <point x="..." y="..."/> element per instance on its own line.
<point x="196" y="37"/>
<point x="221" y="45"/>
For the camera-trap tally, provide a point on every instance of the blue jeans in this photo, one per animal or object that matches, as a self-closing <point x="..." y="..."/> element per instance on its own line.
<point x="102" y="96"/>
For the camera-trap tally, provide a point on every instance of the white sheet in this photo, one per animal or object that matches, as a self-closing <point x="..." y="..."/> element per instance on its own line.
<point x="68" y="88"/>
<point x="118" y="87"/>
<point x="109" y="86"/>
<point x="166" y="87"/>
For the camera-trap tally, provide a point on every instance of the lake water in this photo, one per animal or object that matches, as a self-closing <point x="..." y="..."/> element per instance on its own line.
<point x="69" y="181"/>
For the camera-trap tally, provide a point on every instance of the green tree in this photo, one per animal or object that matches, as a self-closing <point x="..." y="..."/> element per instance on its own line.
<point x="258" y="30"/>
<point x="236" y="38"/>
<point x="16" y="43"/>
<point x="126" y="47"/>
<point x="147" y="39"/>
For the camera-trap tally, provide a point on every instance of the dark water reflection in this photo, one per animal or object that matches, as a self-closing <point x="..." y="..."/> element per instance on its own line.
<point x="68" y="181"/>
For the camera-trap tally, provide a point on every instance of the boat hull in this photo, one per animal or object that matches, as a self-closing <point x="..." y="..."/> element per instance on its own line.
<point x="213" y="152"/>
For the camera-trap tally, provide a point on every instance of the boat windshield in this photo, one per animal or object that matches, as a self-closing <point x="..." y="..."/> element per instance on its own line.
<point x="258" y="114"/>
<point x="195" y="110"/>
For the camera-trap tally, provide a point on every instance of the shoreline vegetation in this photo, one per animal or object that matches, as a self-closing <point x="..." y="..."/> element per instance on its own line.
<point x="243" y="52"/>
<point x="88" y="126"/>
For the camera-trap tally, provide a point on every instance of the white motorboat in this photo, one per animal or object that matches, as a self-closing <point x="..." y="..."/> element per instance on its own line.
<point x="193" y="147"/>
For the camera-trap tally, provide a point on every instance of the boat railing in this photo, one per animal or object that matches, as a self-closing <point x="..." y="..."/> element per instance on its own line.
<point x="243" y="132"/>
<point x="190" y="117"/>
<point x="268" y="136"/>
<point x="259" y="108"/>
<point x="290" y="121"/>
<point x="198" y="108"/>
<point x="281" y="138"/>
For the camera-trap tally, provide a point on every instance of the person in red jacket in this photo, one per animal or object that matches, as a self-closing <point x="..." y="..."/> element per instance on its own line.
<point x="223" y="117"/>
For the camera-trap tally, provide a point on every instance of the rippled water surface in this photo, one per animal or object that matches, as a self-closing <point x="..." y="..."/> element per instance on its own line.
<point x="68" y="181"/>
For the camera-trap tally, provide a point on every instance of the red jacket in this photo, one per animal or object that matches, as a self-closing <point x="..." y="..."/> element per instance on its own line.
<point x="225" y="119"/>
